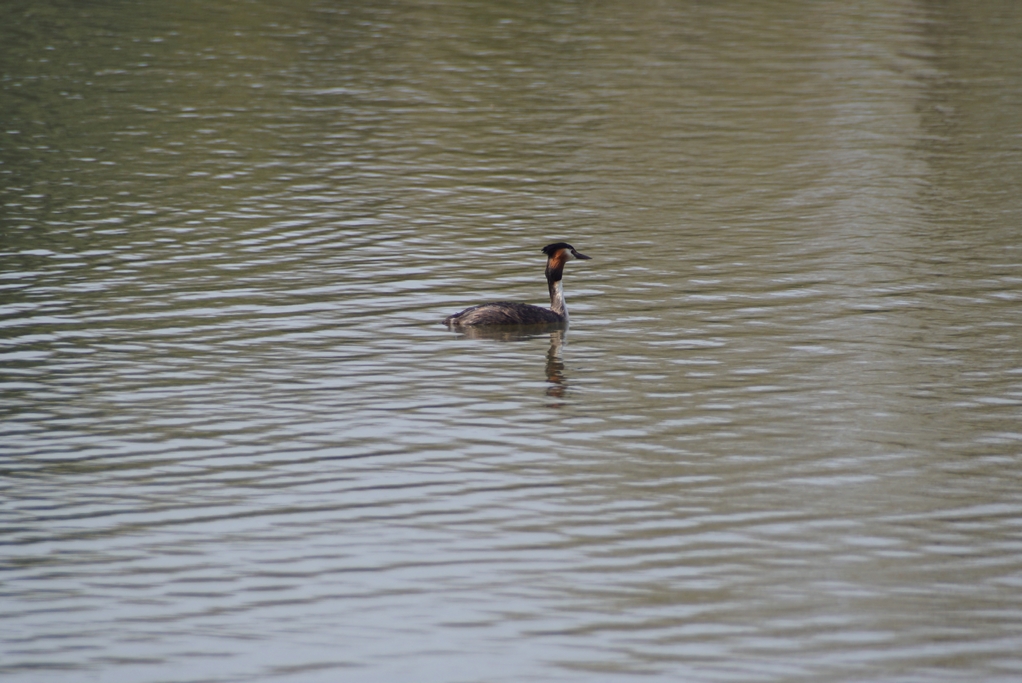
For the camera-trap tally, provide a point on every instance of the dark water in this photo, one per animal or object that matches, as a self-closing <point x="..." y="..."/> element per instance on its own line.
<point x="781" y="440"/>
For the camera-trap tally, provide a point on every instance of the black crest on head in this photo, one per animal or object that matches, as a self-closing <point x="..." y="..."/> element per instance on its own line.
<point x="552" y="249"/>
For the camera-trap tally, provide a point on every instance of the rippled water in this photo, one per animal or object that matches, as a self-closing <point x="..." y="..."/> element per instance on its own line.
<point x="780" y="441"/>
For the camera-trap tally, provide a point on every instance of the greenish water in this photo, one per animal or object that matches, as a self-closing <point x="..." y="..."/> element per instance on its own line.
<point x="780" y="441"/>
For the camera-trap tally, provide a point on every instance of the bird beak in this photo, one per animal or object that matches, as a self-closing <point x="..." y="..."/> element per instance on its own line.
<point x="578" y="254"/>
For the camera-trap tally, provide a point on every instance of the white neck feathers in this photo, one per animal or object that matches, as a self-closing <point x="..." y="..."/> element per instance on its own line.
<point x="557" y="299"/>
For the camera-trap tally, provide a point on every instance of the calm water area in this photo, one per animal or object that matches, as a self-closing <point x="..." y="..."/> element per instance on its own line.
<point x="780" y="441"/>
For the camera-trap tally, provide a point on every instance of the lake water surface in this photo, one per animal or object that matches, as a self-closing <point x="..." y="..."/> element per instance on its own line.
<point x="781" y="440"/>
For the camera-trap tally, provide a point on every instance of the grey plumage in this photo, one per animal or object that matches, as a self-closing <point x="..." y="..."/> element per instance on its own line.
<point x="504" y="313"/>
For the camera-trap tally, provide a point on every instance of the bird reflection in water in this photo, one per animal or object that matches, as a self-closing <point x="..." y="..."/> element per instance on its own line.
<point x="554" y="365"/>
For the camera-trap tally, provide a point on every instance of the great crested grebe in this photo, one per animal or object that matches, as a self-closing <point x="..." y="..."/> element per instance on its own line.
<point x="508" y="313"/>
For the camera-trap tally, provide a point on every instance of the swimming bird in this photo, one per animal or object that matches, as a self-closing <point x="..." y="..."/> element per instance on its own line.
<point x="509" y="313"/>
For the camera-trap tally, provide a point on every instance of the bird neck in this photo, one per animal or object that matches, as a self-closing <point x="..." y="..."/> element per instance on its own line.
<point x="557" y="298"/>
